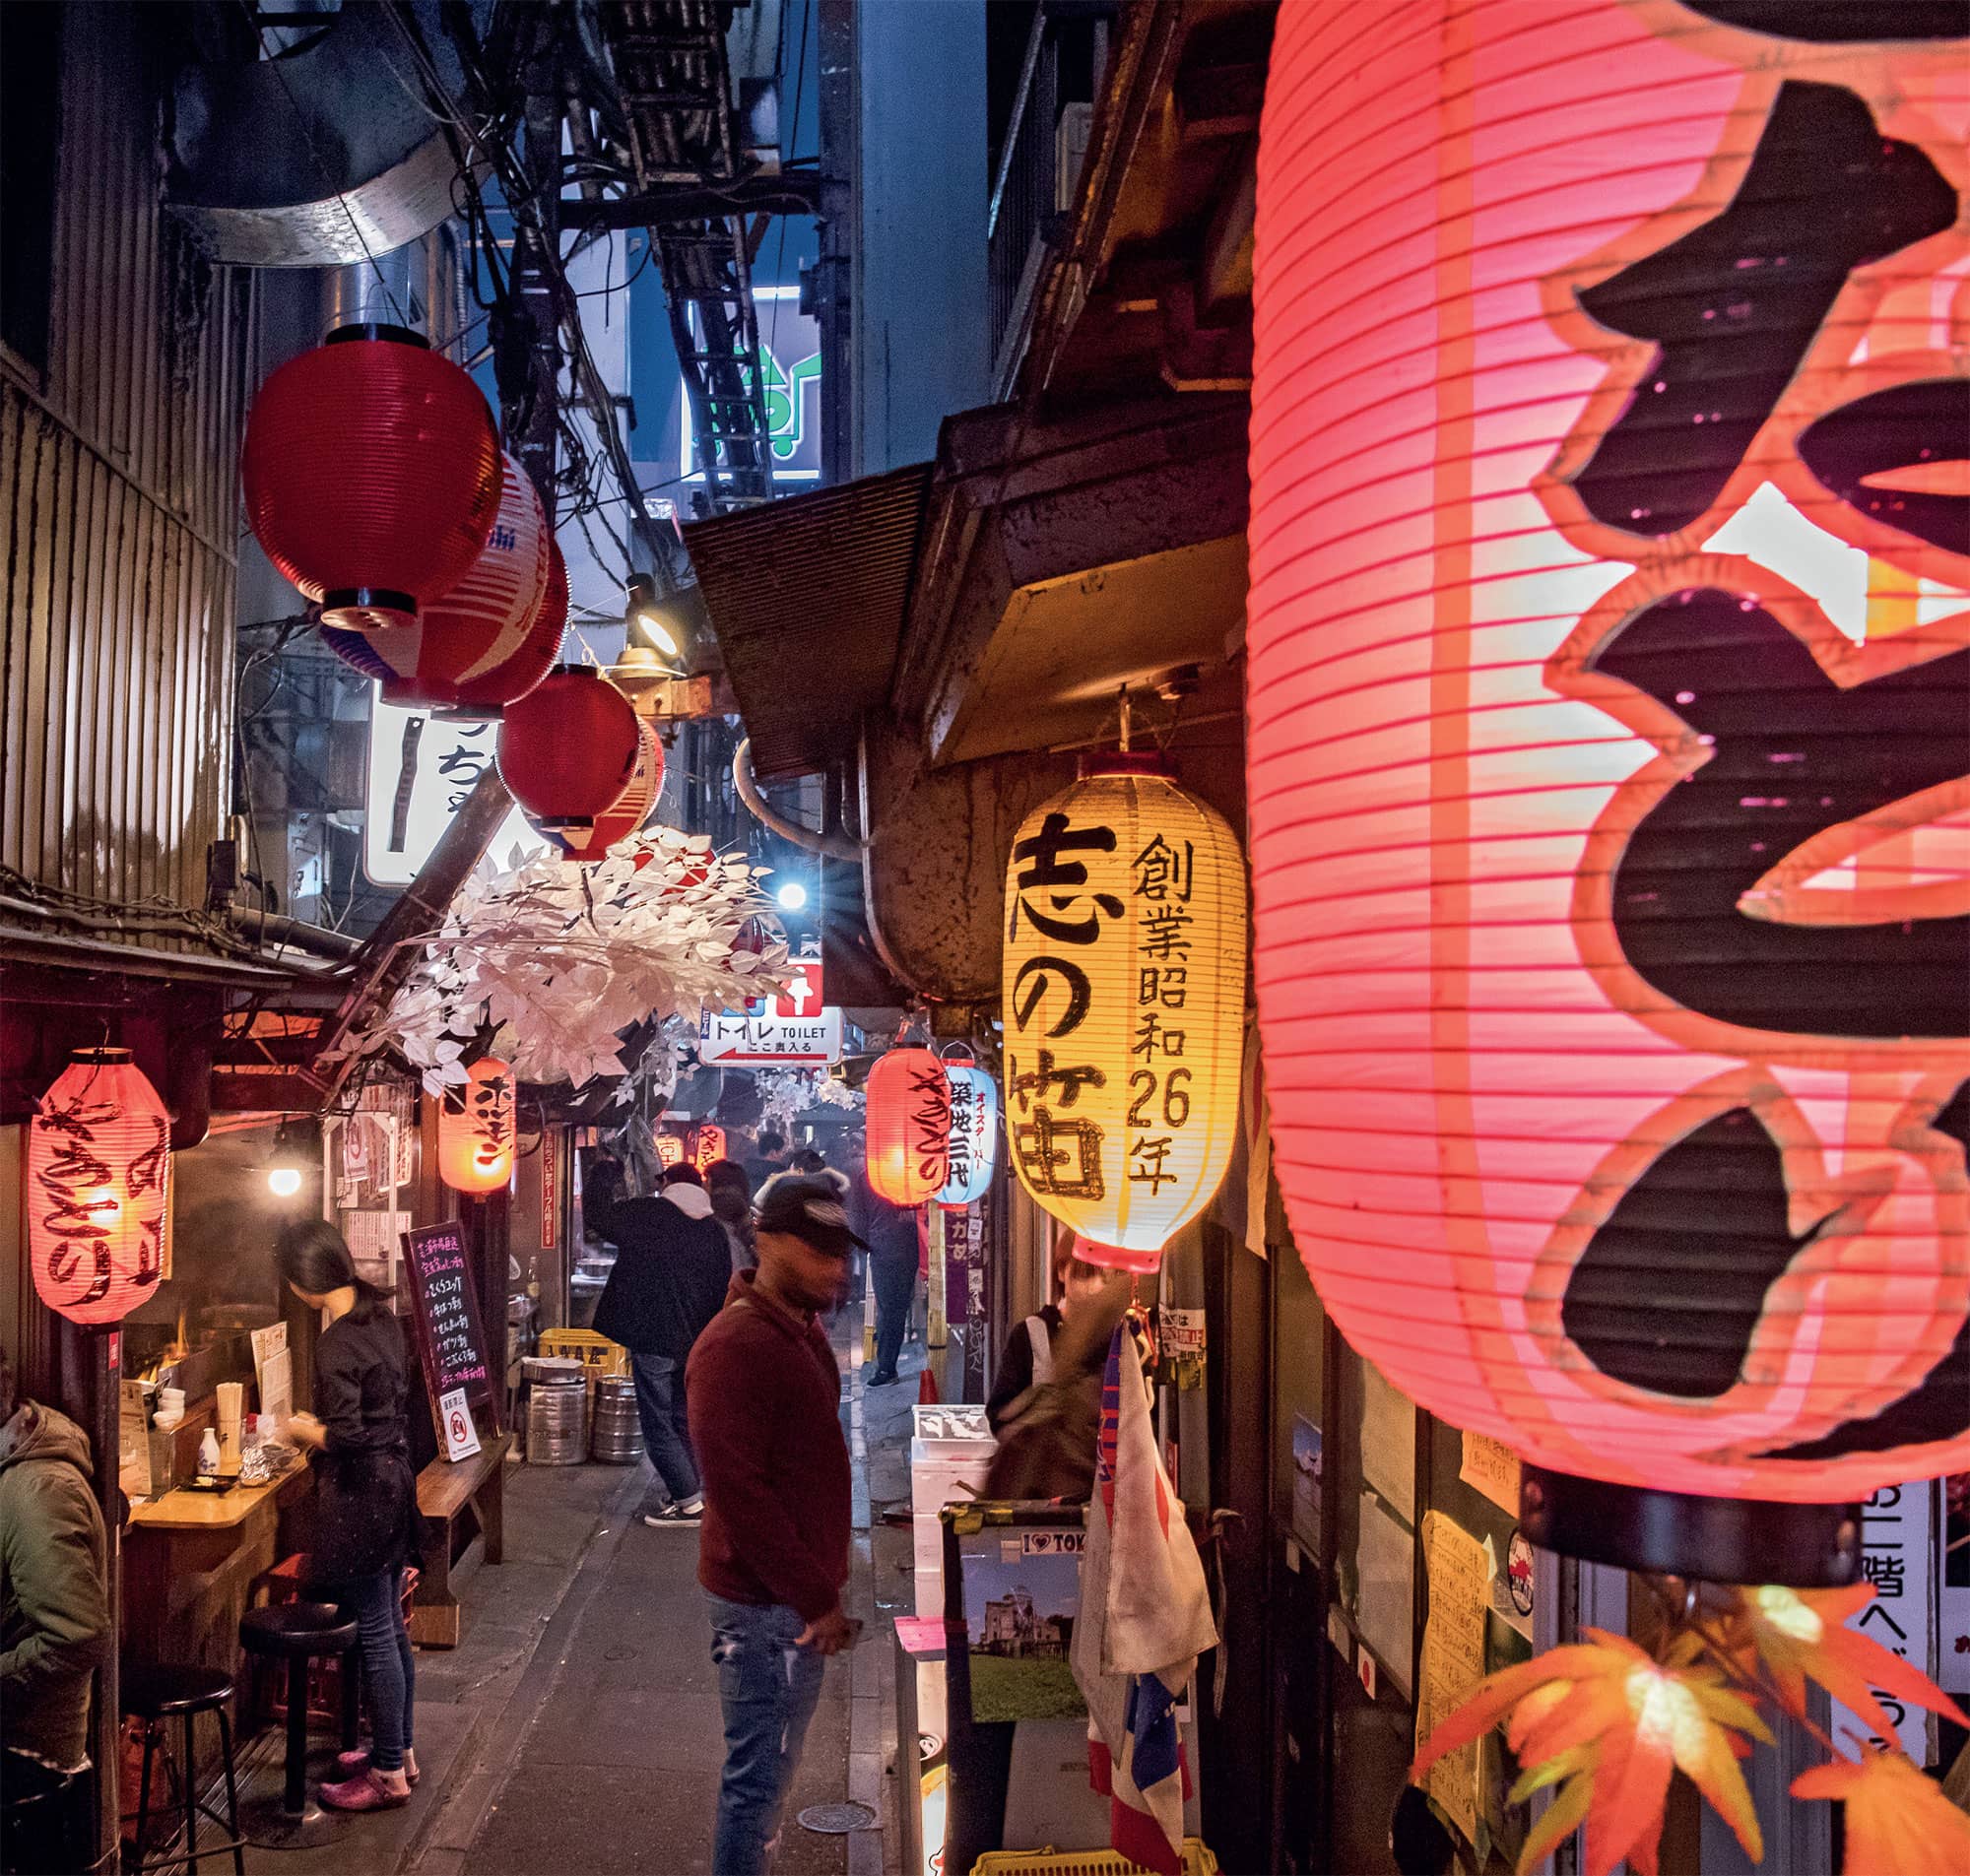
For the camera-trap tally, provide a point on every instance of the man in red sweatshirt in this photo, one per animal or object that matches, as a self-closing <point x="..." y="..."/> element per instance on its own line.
<point x="765" y="1396"/>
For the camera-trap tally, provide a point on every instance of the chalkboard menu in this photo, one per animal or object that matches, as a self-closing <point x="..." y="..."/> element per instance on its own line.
<point x="447" y="1314"/>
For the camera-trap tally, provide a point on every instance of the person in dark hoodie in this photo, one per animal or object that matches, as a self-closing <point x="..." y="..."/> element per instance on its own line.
<point x="54" y="1630"/>
<point x="672" y="1266"/>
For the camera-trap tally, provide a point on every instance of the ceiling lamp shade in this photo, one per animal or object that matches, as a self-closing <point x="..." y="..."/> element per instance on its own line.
<point x="974" y="1135"/>
<point x="631" y="809"/>
<point x="710" y="1144"/>
<point x="1124" y="985"/>
<point x="906" y="1126"/>
<point x="99" y="1189"/>
<point x="470" y="639"/>
<point x="568" y="747"/>
<point x="476" y="1131"/>
<point x="371" y="475"/>
<point x="1610" y="718"/>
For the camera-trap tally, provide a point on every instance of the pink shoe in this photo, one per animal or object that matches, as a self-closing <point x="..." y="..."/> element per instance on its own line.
<point x="348" y="1765"/>
<point x="367" y="1791"/>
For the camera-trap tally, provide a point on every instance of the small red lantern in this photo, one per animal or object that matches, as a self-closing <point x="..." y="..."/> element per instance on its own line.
<point x="371" y="475"/>
<point x="99" y="1187"/>
<point x="710" y="1145"/>
<point x="475" y="1130"/>
<point x="568" y="749"/>
<point x="908" y="1126"/>
<point x="594" y="841"/>
<point x="476" y="632"/>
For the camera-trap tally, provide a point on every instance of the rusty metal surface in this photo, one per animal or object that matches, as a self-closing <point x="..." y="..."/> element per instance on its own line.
<point x="119" y="507"/>
<point x="807" y="598"/>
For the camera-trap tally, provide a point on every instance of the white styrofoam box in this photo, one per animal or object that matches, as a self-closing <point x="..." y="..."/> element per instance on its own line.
<point x="952" y="1432"/>
<point x="937" y="1482"/>
<point x="927" y="1546"/>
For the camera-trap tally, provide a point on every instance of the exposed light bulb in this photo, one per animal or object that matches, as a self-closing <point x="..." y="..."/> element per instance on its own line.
<point x="284" y="1181"/>
<point x="792" y="896"/>
<point x="657" y="632"/>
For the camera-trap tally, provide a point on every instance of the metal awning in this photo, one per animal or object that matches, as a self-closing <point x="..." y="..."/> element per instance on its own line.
<point x="806" y="595"/>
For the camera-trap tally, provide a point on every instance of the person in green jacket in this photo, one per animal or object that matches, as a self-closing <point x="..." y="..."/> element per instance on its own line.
<point x="54" y="1628"/>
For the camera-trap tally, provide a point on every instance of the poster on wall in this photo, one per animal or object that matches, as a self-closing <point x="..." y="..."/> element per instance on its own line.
<point x="1453" y="1658"/>
<point x="1898" y="1556"/>
<point x="1021" y="1595"/>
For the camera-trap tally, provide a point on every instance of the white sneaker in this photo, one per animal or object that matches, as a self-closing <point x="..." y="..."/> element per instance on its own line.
<point x="683" y="1510"/>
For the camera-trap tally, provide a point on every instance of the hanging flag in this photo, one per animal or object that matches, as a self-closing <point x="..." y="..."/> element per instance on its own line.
<point x="1145" y="1618"/>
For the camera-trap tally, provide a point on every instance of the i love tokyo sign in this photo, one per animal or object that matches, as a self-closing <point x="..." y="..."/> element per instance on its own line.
<point x="794" y="1026"/>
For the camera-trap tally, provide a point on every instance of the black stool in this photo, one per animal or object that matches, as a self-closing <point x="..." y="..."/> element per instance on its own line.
<point x="157" y="1694"/>
<point x="295" y="1633"/>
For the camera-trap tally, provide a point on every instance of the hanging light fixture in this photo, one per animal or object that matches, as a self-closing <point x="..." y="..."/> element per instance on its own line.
<point x="371" y="475"/>
<point x="286" y="1165"/>
<point x="99" y="1189"/>
<point x="472" y="638"/>
<point x="906" y="1126"/>
<point x="644" y="618"/>
<point x="1124" y="985"/>
<point x="1608" y="679"/>
<point x="568" y="749"/>
<point x="476" y="1132"/>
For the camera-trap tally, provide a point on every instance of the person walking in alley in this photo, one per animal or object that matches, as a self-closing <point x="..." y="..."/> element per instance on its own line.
<point x="54" y="1628"/>
<point x="890" y="1232"/>
<point x="766" y="1394"/>
<point x="732" y="1205"/>
<point x="673" y="1264"/>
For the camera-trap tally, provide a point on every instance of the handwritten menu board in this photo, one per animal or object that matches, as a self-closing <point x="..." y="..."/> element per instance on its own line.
<point x="447" y="1314"/>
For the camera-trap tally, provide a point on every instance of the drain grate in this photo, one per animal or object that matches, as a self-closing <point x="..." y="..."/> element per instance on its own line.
<point x="836" y="1820"/>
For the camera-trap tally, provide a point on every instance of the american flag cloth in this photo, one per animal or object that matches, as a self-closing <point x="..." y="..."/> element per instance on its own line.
<point x="1145" y="1618"/>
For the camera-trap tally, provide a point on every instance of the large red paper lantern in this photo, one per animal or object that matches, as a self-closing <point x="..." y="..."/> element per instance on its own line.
<point x="475" y="1137"/>
<point x="371" y="475"/>
<point x="1608" y="731"/>
<point x="568" y="749"/>
<point x="99" y="1189"/>
<point x="470" y="639"/>
<point x="906" y="1126"/>
<point x="632" y="809"/>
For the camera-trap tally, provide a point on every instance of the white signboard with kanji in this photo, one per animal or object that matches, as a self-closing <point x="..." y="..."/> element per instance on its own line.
<point x="422" y="767"/>
<point x="1898" y="1557"/>
<point x="760" y="1035"/>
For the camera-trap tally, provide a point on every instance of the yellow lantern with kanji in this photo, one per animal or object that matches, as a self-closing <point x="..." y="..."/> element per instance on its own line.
<point x="475" y="1138"/>
<point x="1124" y="991"/>
<point x="669" y="1150"/>
<point x="99" y="1189"/>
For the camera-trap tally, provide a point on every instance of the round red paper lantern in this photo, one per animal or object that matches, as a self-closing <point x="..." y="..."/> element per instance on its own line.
<point x="371" y="475"/>
<point x="631" y="809"/>
<point x="470" y="641"/>
<point x="99" y="1189"/>
<point x="475" y="1129"/>
<point x="708" y="1146"/>
<point x="1607" y="736"/>
<point x="568" y="747"/>
<point x="906" y="1126"/>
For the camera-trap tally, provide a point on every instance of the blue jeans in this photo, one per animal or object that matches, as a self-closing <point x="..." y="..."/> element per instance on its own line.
<point x="390" y="1672"/>
<point x="769" y="1689"/>
<point x="660" y="1406"/>
<point x="895" y="1281"/>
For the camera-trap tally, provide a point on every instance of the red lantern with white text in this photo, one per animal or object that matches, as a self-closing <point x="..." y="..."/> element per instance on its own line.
<point x="1607" y="745"/>
<point x="568" y="749"/>
<point x="906" y="1126"/>
<point x="610" y="829"/>
<point x="479" y="628"/>
<point x="99" y="1189"/>
<point x="475" y="1130"/>
<point x="371" y="475"/>
<point x="710" y="1145"/>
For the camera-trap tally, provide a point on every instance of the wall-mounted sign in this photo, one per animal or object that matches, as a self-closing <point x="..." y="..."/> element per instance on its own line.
<point x="760" y="1035"/>
<point x="422" y="767"/>
<point x="790" y="346"/>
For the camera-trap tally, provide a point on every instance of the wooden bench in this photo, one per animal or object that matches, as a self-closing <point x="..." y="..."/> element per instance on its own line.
<point x="462" y="1509"/>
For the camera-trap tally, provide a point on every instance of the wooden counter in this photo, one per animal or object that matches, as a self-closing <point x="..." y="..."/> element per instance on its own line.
<point x="186" y="1509"/>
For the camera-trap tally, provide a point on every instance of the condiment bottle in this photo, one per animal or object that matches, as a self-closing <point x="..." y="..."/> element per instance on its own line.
<point x="208" y="1453"/>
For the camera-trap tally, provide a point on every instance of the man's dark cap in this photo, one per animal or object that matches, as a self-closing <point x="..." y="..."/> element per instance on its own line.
<point x="809" y="1208"/>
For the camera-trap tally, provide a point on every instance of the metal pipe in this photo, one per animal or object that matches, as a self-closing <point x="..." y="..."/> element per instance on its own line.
<point x="372" y="293"/>
<point x="808" y="839"/>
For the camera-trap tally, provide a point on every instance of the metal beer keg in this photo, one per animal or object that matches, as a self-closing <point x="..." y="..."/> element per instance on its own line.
<point x="557" y="1419"/>
<point x="618" y="1432"/>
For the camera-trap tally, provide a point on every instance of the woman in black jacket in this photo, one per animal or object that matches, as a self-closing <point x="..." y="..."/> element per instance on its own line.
<point x="364" y="1509"/>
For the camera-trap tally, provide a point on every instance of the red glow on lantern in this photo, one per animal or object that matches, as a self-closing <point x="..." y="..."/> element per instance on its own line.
<point x="371" y="475"/>
<point x="99" y="1189"/>
<point x="908" y="1126"/>
<point x="476" y="1131"/>
<point x="612" y="828"/>
<point x="710" y="1144"/>
<point x="568" y="749"/>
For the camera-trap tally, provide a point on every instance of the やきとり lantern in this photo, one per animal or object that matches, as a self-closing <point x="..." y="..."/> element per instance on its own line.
<point x="1124" y="985"/>
<point x="476" y="1131"/>
<point x="1610" y="726"/>
<point x="906" y="1126"/>
<point x="974" y="1135"/>
<point x="99" y="1189"/>
<point x="371" y="475"/>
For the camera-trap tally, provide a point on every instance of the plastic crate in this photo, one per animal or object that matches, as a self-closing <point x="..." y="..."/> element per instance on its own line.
<point x="1197" y="1861"/>
<point x="597" y="1353"/>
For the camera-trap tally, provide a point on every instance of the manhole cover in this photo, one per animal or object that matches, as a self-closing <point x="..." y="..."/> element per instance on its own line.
<point x="619" y="1654"/>
<point x="836" y="1820"/>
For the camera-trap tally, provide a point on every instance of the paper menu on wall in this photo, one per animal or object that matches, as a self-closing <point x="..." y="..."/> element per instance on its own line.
<point x="1383" y="1603"/>
<point x="1388" y="1441"/>
<point x="273" y="1371"/>
<point x="1491" y="1467"/>
<point x="1453" y="1658"/>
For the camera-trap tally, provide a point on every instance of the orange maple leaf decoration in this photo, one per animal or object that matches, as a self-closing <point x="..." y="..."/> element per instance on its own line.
<point x="1800" y="1635"/>
<point x="1898" y="1822"/>
<point x="1610" y="1723"/>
